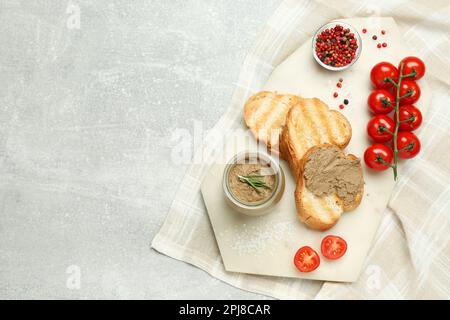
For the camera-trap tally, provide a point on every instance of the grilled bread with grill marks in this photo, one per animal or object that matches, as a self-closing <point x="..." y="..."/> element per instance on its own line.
<point x="265" y="114"/>
<point x="310" y="123"/>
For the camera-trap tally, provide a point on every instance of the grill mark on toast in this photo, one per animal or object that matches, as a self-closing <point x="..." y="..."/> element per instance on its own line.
<point x="320" y="125"/>
<point x="250" y="108"/>
<point x="334" y="126"/>
<point x="298" y="136"/>
<point x="264" y="113"/>
<point x="312" y="133"/>
<point x="324" y="123"/>
<point x="277" y="115"/>
<point x="260" y="110"/>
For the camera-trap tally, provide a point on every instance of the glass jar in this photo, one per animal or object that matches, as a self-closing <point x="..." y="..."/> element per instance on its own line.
<point x="242" y="196"/>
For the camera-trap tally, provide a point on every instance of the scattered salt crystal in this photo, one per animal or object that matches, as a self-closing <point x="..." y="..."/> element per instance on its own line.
<point x="257" y="238"/>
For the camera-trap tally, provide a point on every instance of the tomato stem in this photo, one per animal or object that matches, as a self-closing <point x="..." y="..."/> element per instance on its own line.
<point x="381" y="160"/>
<point x="389" y="79"/>
<point x="397" y="115"/>
<point x="385" y="102"/>
<point x="407" y="94"/>
<point x="384" y="129"/>
<point x="412" y="74"/>
<point x="411" y="118"/>
<point x="409" y="147"/>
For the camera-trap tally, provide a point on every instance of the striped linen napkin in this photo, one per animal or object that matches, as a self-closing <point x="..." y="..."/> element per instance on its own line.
<point x="410" y="256"/>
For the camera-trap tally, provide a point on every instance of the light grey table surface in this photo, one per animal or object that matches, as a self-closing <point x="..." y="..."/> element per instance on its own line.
<point x="90" y="92"/>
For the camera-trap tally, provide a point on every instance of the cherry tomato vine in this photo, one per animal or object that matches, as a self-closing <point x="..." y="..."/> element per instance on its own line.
<point x="409" y="93"/>
<point x="396" y="90"/>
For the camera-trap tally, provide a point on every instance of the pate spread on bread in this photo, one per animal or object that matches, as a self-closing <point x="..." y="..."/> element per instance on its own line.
<point x="330" y="184"/>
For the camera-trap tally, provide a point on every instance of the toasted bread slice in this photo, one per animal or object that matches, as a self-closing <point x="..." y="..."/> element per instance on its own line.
<point x="265" y="114"/>
<point x="323" y="212"/>
<point x="309" y="123"/>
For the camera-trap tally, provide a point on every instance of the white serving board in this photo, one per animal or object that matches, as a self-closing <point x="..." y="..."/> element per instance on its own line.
<point x="266" y="245"/>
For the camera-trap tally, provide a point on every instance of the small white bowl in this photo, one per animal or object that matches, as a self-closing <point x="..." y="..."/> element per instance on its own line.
<point x="332" y="25"/>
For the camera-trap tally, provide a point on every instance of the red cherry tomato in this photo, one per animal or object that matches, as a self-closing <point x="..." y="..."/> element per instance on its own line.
<point x="381" y="101"/>
<point x="408" y="145"/>
<point x="333" y="247"/>
<point x="410" y="118"/>
<point x="410" y="88"/>
<point x="380" y="72"/>
<point x="306" y="259"/>
<point x="380" y="128"/>
<point x="378" y="157"/>
<point x="413" y="65"/>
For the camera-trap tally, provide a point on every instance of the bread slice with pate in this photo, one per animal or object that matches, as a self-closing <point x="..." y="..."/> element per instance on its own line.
<point x="330" y="183"/>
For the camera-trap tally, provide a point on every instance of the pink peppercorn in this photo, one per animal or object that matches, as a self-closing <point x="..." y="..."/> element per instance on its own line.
<point x="384" y="44"/>
<point x="335" y="94"/>
<point x="364" y="30"/>
<point x="339" y="85"/>
<point x="383" y="32"/>
<point x="379" y="45"/>
<point x="336" y="46"/>
<point x="341" y="106"/>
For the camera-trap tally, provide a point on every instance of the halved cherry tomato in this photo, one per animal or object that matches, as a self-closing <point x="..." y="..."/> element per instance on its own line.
<point x="381" y="101"/>
<point x="306" y="259"/>
<point x="378" y="157"/>
<point x="380" y="72"/>
<point x="413" y="65"/>
<point x="380" y="128"/>
<point x="408" y="145"/>
<point x="333" y="247"/>
<point x="410" y="118"/>
<point x="411" y="90"/>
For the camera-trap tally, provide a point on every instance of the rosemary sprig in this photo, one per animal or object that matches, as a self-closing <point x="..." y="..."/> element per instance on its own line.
<point x="254" y="181"/>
